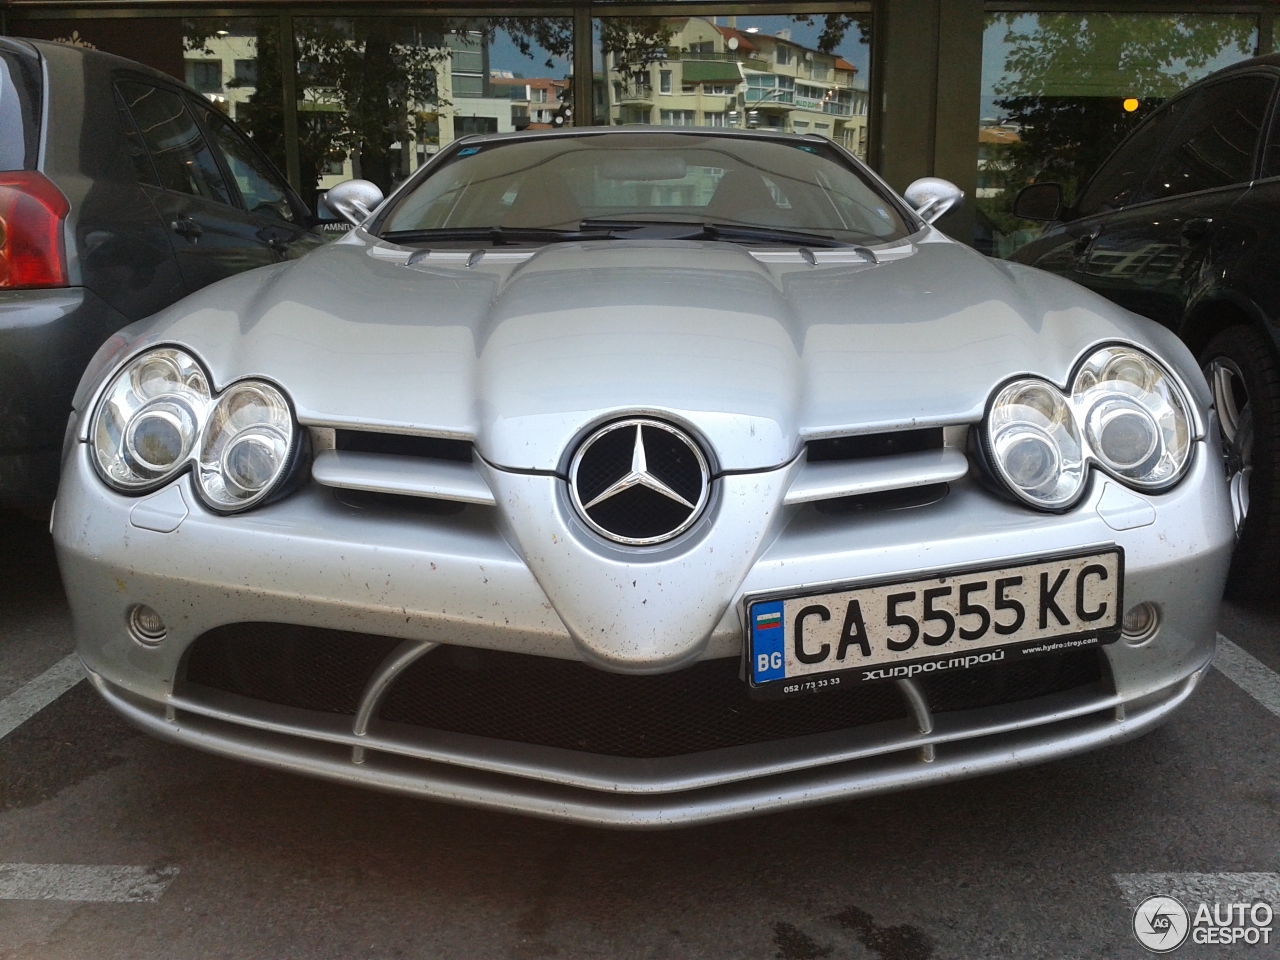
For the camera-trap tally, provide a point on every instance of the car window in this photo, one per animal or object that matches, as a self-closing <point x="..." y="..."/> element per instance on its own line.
<point x="1216" y="140"/>
<point x="19" y="110"/>
<point x="1118" y="181"/>
<point x="260" y="186"/>
<point x="557" y="182"/>
<point x="138" y="155"/>
<point x="1271" y="162"/>
<point x="181" y="155"/>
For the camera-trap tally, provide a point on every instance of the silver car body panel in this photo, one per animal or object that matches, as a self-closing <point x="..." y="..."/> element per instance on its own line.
<point x="524" y="353"/>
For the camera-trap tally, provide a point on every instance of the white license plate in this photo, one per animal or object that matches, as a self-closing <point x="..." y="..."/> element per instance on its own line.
<point x="946" y="622"/>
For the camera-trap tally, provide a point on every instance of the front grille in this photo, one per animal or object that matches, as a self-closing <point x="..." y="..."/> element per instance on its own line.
<point x="403" y="445"/>
<point x="902" y="499"/>
<point x="863" y="446"/>
<point x="293" y="666"/>
<point x="568" y="704"/>
<point x="397" y="502"/>
<point x="996" y="683"/>
<point x="564" y="703"/>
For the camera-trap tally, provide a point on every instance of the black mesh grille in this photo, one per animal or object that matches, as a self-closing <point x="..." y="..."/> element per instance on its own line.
<point x="1010" y="682"/>
<point x="403" y="445"/>
<point x="563" y="703"/>
<point x="875" y="444"/>
<point x="293" y="666"/>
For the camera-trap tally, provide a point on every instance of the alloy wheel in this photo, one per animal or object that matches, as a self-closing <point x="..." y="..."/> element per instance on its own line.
<point x="1235" y="418"/>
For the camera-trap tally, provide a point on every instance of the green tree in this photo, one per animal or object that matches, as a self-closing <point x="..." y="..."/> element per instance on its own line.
<point x="1067" y="75"/>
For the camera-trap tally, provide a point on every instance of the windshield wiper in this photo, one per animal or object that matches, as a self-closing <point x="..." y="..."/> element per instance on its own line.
<point x="495" y="235"/>
<point x="601" y="229"/>
<point x="695" y="230"/>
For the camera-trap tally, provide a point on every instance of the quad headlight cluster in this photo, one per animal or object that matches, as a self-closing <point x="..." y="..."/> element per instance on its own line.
<point x="159" y="415"/>
<point x="1124" y="412"/>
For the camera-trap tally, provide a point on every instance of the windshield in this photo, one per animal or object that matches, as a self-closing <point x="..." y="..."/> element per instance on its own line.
<point x="571" y="184"/>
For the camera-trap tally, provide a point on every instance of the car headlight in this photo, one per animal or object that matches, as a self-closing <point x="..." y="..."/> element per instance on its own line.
<point x="1124" y="412"/>
<point x="148" y="420"/>
<point x="1035" y="443"/>
<point x="246" y="445"/>
<point x="1135" y="416"/>
<point x="158" y="416"/>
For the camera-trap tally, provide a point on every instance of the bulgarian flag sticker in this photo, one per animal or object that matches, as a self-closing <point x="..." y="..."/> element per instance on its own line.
<point x="768" y="658"/>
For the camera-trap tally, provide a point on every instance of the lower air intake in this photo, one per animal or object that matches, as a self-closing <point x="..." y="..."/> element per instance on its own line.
<point x="570" y="705"/>
<point x="304" y="667"/>
<point x="567" y="704"/>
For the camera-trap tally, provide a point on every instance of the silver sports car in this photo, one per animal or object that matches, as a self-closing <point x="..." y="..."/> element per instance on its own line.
<point x="644" y="478"/>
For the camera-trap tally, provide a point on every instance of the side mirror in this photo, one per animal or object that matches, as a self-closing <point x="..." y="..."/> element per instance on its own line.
<point x="931" y="197"/>
<point x="1038" y="201"/>
<point x="353" y="200"/>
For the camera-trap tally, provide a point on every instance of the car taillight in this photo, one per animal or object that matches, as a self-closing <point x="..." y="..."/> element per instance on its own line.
<point x="31" y="214"/>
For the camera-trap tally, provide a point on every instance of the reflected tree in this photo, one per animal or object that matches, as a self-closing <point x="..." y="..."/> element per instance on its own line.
<point x="366" y="85"/>
<point x="1067" y="75"/>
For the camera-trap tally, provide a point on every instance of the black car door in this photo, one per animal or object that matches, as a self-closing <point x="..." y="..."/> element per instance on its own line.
<point x="1064" y="248"/>
<point x="1148" y="256"/>
<point x="213" y="237"/>
<point x="276" y="211"/>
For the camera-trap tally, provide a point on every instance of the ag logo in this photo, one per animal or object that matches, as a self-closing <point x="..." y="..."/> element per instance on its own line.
<point x="1161" y="924"/>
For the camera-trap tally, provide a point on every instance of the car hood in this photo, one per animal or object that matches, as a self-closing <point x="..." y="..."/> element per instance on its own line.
<point x="523" y="351"/>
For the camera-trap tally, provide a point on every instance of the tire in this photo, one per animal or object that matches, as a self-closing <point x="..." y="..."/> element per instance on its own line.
<point x="1245" y="380"/>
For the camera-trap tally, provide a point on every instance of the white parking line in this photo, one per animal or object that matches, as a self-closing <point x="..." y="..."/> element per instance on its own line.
<point x="1249" y="674"/>
<point x="25" y="702"/>
<point x="86" y="884"/>
<point x="1200" y="887"/>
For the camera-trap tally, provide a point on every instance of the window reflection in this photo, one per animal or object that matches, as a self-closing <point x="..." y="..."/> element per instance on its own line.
<point x="378" y="96"/>
<point x="1060" y="91"/>
<point x="235" y="63"/>
<point x="793" y="74"/>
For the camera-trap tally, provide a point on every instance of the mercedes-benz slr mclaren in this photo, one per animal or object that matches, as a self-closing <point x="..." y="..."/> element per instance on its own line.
<point x="644" y="478"/>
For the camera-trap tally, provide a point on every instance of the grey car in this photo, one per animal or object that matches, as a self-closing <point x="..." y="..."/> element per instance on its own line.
<point x="644" y="478"/>
<point x="121" y="191"/>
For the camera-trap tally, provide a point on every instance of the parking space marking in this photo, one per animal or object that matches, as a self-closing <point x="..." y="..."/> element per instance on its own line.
<point x="1200" y="887"/>
<point x="25" y="702"/>
<point x="82" y="883"/>
<point x="1249" y="674"/>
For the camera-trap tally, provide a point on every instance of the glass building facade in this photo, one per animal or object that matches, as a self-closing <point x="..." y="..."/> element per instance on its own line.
<point x="991" y="95"/>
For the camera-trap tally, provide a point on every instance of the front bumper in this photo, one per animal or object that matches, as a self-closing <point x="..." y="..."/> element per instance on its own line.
<point x="312" y="560"/>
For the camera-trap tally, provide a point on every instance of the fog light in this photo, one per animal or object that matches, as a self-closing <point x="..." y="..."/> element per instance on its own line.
<point x="1141" y="623"/>
<point x="146" y="625"/>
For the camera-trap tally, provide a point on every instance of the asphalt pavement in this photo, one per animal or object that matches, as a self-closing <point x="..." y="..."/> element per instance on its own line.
<point x="113" y="844"/>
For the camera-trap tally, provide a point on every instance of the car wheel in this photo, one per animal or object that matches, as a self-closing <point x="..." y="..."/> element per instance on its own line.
<point x="1245" y="381"/>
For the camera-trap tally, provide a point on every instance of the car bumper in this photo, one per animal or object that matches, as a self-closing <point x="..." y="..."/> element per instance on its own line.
<point x="311" y="560"/>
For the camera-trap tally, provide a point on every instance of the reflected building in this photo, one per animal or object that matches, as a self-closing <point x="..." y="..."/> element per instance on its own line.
<point x="699" y="73"/>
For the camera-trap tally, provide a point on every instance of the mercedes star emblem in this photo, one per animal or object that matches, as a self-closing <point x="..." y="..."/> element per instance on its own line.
<point x="639" y="481"/>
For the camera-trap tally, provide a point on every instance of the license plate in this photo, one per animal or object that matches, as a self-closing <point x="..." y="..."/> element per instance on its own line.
<point x="947" y="622"/>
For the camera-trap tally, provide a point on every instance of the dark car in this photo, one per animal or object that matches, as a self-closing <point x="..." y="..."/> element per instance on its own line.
<point x="1182" y="224"/>
<point x="121" y="191"/>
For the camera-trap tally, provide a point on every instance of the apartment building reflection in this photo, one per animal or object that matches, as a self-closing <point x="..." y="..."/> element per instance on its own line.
<point x="711" y="75"/>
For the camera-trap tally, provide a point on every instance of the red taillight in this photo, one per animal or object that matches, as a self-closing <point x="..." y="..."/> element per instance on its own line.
<point x="31" y="213"/>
